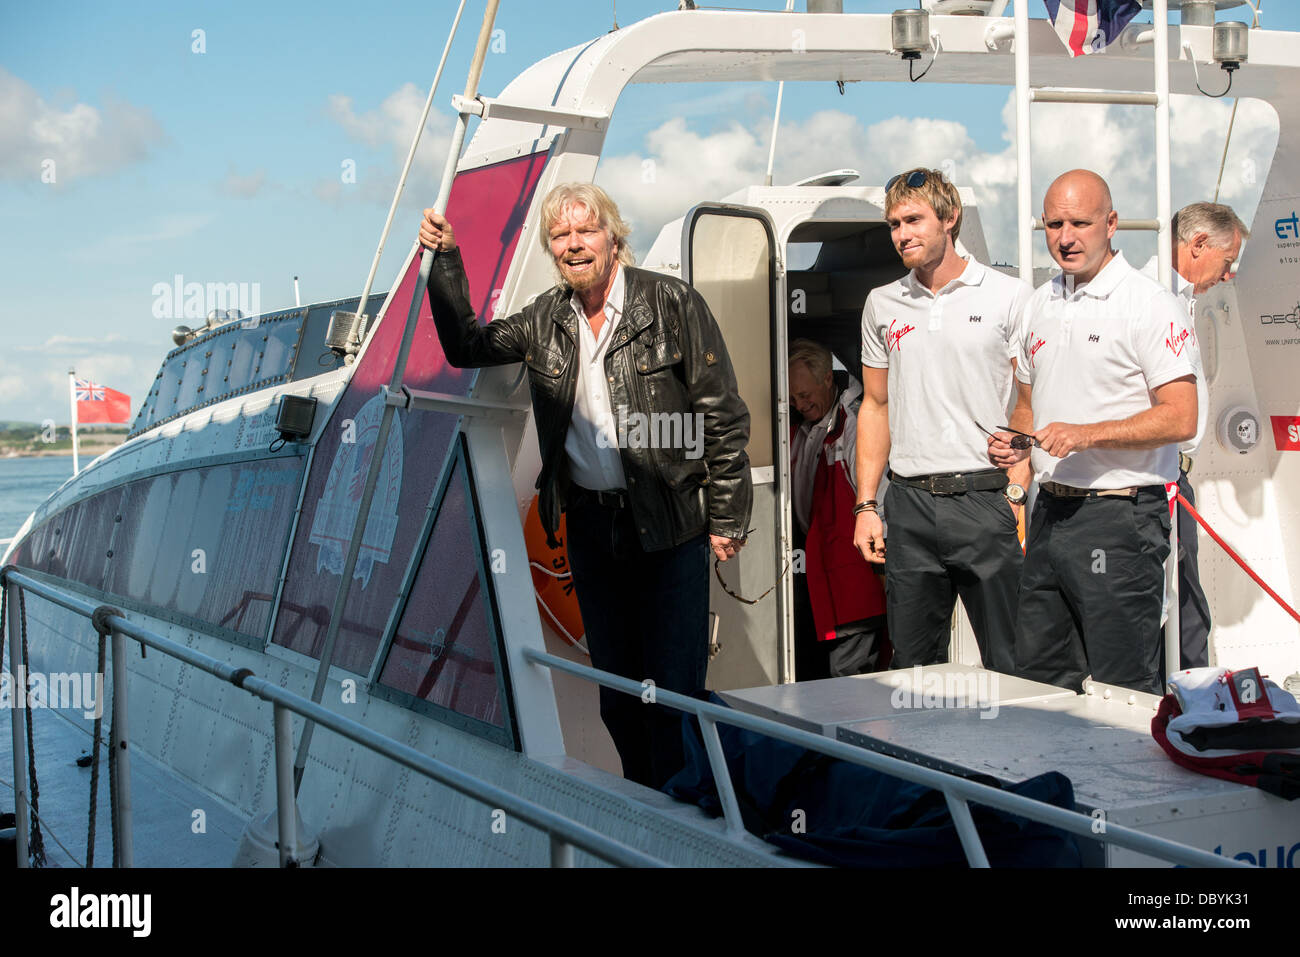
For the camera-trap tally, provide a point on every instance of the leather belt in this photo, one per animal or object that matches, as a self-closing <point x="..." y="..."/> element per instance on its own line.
<point x="955" y="483"/>
<point x="609" y="498"/>
<point x="1069" y="491"/>
<point x="1185" y="462"/>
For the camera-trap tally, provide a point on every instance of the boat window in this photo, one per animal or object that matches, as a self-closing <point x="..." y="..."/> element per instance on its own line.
<point x="731" y="264"/>
<point x="243" y="356"/>
<point x="200" y="544"/>
<point x="446" y="653"/>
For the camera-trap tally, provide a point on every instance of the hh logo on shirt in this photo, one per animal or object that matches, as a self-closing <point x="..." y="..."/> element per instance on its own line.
<point x="895" y="336"/>
<point x="1033" y="350"/>
<point x="1176" y="340"/>
<point x="1094" y="338"/>
<point x="976" y="318"/>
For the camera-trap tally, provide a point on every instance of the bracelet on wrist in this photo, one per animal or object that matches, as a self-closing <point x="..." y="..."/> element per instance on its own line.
<point x="870" y="506"/>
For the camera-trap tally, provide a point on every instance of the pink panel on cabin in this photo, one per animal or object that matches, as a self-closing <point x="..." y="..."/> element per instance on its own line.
<point x="487" y="207"/>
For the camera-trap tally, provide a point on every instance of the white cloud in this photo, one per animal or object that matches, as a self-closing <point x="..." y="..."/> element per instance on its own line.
<point x="37" y="387"/>
<point x="127" y="245"/>
<point x="70" y="345"/>
<point x="389" y="128"/>
<point x="243" y="187"/>
<point x="80" y="141"/>
<point x="680" y="167"/>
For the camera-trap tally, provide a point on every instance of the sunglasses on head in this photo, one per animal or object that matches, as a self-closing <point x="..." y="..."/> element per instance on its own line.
<point x="914" y="180"/>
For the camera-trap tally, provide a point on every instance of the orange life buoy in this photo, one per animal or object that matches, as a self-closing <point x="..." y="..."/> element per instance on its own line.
<point x="552" y="579"/>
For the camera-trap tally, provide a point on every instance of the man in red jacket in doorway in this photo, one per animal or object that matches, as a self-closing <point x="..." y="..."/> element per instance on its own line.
<point x="847" y="597"/>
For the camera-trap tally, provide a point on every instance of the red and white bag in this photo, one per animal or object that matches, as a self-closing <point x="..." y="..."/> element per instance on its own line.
<point x="1235" y="725"/>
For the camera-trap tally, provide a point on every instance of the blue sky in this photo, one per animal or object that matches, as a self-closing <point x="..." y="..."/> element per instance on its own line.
<point x="224" y="165"/>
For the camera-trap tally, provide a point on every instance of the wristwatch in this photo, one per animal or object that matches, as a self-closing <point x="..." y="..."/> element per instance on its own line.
<point x="1015" y="494"/>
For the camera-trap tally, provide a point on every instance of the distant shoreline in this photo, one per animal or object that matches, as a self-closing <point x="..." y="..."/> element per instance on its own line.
<point x="83" y="452"/>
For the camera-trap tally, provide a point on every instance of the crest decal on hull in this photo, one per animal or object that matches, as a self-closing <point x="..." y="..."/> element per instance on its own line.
<point x="337" y="510"/>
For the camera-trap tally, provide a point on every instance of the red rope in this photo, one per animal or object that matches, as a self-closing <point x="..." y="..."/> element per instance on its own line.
<point x="1235" y="557"/>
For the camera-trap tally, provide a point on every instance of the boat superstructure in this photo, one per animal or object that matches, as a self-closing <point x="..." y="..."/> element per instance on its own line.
<point x="209" y="533"/>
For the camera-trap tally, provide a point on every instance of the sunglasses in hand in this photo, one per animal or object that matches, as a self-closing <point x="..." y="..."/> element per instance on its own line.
<point x="1019" y="440"/>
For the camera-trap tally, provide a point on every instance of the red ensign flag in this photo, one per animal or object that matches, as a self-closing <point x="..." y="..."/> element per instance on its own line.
<point x="98" y="403"/>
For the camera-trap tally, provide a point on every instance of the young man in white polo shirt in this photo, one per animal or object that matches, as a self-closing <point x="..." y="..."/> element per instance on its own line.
<point x="1207" y="241"/>
<point x="1104" y="368"/>
<point x="938" y="356"/>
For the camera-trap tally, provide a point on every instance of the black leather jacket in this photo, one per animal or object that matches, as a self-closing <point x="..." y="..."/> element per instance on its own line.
<point x="667" y="355"/>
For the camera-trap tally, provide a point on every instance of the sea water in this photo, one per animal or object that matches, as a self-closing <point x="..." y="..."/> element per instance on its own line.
<point x="24" y="484"/>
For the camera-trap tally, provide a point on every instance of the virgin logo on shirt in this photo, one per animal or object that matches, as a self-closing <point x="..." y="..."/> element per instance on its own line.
<point x="893" y="339"/>
<point x="1176" y="340"/>
<point x="1033" y="350"/>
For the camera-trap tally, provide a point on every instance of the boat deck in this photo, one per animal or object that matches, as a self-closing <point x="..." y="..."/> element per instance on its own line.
<point x="163" y="805"/>
<point x="1015" y="729"/>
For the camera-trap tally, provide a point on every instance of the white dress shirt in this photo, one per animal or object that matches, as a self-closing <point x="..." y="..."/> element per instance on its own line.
<point x="1186" y="293"/>
<point x="591" y="443"/>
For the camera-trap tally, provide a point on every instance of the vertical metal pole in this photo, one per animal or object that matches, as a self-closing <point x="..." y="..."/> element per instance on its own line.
<point x="406" y="167"/>
<point x="386" y="422"/>
<point x="970" y="838"/>
<point x="776" y="124"/>
<point x="721" y="775"/>
<point x="1164" y="259"/>
<point x="1164" y="194"/>
<point x="1173" y="621"/>
<point x="72" y="395"/>
<point x="561" y="852"/>
<point x="22" y="813"/>
<point x="120" y="754"/>
<point x="776" y="119"/>
<point x="1024" y="194"/>
<point x="286" y="815"/>
<point x="297" y="299"/>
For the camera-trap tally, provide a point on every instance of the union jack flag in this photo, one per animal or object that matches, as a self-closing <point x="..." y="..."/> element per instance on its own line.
<point x="88" y="391"/>
<point x="1086" y="26"/>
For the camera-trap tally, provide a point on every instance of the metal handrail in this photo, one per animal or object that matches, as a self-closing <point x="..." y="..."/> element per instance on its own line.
<point x="564" y="833"/>
<point x="957" y="790"/>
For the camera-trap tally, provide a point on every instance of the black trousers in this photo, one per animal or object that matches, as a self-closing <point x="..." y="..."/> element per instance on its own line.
<point x="646" y="616"/>
<point x="1091" y="592"/>
<point x="940" y="547"/>
<point x="1193" y="607"/>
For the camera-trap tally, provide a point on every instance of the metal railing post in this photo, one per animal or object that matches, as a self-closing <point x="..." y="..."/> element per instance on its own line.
<point x="970" y="838"/>
<point x="721" y="775"/>
<point x="561" y="851"/>
<point x="120" y="755"/>
<point x="566" y="829"/>
<point x="286" y="816"/>
<point x="17" y="714"/>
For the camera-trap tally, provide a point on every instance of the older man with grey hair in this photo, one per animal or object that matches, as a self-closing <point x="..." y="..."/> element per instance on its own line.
<point x="641" y="518"/>
<point x="846" y="596"/>
<point x="1206" y="242"/>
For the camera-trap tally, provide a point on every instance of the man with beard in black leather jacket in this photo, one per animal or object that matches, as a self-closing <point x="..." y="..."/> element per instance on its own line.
<point x="642" y="435"/>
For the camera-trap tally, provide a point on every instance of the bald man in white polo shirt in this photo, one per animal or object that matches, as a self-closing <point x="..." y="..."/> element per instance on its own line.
<point x="938" y="355"/>
<point x="1104" y="369"/>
